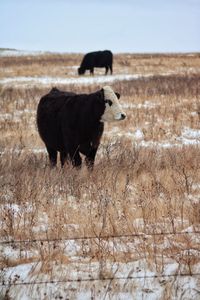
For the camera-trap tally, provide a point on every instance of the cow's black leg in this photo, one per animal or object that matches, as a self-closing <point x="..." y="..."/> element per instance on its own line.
<point x="52" y="156"/>
<point x="106" y="71"/>
<point x="111" y="69"/>
<point x="90" y="153"/>
<point x="90" y="157"/>
<point x="92" y="71"/>
<point x="63" y="158"/>
<point x="91" y="149"/>
<point x="75" y="157"/>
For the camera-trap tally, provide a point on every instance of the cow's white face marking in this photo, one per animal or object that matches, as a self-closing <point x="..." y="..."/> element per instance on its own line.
<point x="113" y="111"/>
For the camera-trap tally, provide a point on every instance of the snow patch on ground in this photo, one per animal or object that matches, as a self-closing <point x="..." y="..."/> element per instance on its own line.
<point x="138" y="134"/>
<point x="13" y="52"/>
<point x="190" y="133"/>
<point x="17" y="115"/>
<point x="188" y="137"/>
<point x="70" y="80"/>
<point x="147" y="105"/>
<point x="84" y="80"/>
<point x="131" y="285"/>
<point x="71" y="67"/>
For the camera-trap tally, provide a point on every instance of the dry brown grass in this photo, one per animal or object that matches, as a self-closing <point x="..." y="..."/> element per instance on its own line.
<point x="44" y="65"/>
<point x="149" y="185"/>
<point x="59" y="64"/>
<point x="132" y="190"/>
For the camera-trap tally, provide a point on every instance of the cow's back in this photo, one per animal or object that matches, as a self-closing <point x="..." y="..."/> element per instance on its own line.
<point x="103" y="58"/>
<point x="48" y="112"/>
<point x="97" y="59"/>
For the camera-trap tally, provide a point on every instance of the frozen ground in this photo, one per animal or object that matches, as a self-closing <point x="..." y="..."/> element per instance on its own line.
<point x="80" y="277"/>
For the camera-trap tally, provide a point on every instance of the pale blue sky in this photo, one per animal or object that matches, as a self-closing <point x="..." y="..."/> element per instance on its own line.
<point x="118" y="25"/>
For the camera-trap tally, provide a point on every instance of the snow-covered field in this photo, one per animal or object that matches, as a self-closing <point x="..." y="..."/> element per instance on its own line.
<point x="130" y="229"/>
<point x="80" y="280"/>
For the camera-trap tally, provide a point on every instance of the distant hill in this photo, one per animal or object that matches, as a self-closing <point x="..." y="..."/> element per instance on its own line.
<point x="7" y="49"/>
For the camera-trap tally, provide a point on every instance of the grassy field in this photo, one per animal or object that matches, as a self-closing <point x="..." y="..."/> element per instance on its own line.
<point x="136" y="215"/>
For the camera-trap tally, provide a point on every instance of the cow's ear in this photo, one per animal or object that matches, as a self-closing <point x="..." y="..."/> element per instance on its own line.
<point x="118" y="95"/>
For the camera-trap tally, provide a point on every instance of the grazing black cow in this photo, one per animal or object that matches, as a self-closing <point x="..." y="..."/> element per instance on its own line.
<point x="98" y="59"/>
<point x="72" y="123"/>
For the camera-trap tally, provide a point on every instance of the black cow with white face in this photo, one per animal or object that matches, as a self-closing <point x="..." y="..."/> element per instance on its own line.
<point x="73" y="123"/>
<point x="98" y="59"/>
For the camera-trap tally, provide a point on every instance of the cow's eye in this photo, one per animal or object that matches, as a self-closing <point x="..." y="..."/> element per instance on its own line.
<point x="109" y="102"/>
